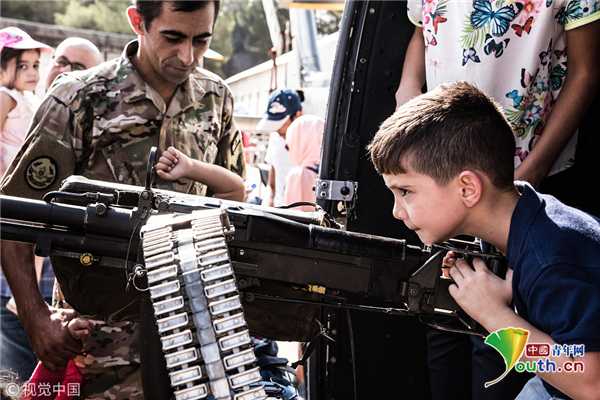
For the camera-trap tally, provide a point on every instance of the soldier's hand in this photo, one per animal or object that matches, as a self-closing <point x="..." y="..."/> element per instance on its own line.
<point x="50" y="339"/>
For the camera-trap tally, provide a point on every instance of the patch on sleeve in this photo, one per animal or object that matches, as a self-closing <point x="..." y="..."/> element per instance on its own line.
<point x="41" y="173"/>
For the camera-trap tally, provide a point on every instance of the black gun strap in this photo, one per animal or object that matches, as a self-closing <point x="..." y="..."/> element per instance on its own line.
<point x="312" y="345"/>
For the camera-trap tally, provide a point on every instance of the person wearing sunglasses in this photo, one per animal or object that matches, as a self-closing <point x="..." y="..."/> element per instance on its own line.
<point x="73" y="54"/>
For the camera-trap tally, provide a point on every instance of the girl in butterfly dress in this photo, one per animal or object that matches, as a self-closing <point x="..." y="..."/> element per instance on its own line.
<point x="20" y="63"/>
<point x="516" y="51"/>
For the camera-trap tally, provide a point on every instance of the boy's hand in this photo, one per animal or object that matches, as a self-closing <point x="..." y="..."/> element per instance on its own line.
<point x="172" y="164"/>
<point x="448" y="261"/>
<point x="80" y="328"/>
<point x="480" y="293"/>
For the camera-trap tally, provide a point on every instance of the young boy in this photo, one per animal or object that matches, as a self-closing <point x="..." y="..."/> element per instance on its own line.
<point x="447" y="156"/>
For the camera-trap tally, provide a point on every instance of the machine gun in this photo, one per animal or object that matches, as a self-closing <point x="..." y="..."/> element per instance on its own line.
<point x="210" y="273"/>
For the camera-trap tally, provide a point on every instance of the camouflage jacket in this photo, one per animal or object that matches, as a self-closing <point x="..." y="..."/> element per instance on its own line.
<point x="102" y="122"/>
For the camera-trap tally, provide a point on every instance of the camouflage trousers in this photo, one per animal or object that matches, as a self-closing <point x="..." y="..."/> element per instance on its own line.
<point x="112" y="383"/>
<point x="111" y="362"/>
<point x="110" y="366"/>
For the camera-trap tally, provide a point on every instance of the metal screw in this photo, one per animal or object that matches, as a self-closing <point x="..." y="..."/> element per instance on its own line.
<point x="323" y="195"/>
<point x="333" y="360"/>
<point x="414" y="291"/>
<point x="371" y="10"/>
<point x="324" y="185"/>
<point x="100" y="209"/>
<point x="242" y="252"/>
<point x="163" y="206"/>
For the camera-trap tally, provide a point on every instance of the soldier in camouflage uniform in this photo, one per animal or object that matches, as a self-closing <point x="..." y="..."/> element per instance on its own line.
<point x="101" y="123"/>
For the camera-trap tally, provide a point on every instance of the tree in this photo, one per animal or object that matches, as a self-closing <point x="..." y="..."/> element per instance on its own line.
<point x="250" y="37"/>
<point x="105" y="16"/>
<point x="328" y="22"/>
<point x="241" y="33"/>
<point x="221" y="40"/>
<point x="34" y="11"/>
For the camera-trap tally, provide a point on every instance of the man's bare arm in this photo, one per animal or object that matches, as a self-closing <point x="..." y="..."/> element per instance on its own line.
<point x="46" y="326"/>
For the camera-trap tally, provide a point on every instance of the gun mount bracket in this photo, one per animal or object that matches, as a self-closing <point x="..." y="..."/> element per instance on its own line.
<point x="335" y="190"/>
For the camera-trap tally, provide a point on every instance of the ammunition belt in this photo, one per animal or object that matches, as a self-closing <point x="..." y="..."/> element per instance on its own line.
<point x="199" y="316"/>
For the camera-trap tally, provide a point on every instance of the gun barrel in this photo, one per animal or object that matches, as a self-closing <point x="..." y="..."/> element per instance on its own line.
<point x="40" y="212"/>
<point x="114" y="222"/>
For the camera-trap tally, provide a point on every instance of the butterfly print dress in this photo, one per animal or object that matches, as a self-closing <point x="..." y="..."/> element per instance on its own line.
<point x="514" y="50"/>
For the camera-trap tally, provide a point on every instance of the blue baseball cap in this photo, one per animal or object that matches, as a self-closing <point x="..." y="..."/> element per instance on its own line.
<point x="282" y="104"/>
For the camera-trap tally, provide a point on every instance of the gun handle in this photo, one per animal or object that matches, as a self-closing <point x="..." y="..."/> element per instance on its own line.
<point x="151" y="168"/>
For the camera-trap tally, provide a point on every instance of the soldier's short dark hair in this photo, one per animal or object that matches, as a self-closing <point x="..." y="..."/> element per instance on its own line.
<point x="151" y="9"/>
<point x="451" y="129"/>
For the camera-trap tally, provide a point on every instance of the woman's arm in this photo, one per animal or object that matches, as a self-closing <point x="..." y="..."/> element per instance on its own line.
<point x="413" y="71"/>
<point x="579" y="89"/>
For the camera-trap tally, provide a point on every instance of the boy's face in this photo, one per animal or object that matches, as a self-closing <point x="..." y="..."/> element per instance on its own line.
<point x="435" y="213"/>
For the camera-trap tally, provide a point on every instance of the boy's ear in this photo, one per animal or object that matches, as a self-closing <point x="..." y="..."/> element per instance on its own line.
<point x="471" y="188"/>
<point x="135" y="21"/>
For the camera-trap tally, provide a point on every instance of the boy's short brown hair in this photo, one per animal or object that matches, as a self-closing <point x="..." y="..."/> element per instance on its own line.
<point x="453" y="128"/>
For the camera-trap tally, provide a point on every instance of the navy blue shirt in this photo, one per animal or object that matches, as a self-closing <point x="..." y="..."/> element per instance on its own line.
<point x="554" y="251"/>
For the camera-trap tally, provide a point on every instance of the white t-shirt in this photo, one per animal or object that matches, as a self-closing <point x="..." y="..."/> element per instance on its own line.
<point x="513" y="50"/>
<point x="278" y="156"/>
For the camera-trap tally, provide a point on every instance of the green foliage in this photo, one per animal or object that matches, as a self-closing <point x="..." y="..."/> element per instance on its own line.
<point x="441" y="8"/>
<point x="328" y="22"/>
<point x="241" y="33"/>
<point x="34" y="11"/>
<point x="250" y="39"/>
<point x="473" y="37"/>
<point x="105" y="16"/>
<point x="221" y="40"/>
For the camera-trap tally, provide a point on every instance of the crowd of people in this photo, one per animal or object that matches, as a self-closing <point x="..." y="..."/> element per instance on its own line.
<point x="100" y="120"/>
<point x="20" y="75"/>
<point x="156" y="76"/>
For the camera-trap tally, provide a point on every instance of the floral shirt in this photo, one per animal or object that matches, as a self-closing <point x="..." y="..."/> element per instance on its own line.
<point x="514" y="50"/>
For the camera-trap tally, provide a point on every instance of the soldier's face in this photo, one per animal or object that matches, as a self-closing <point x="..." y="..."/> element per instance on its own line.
<point x="176" y="42"/>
